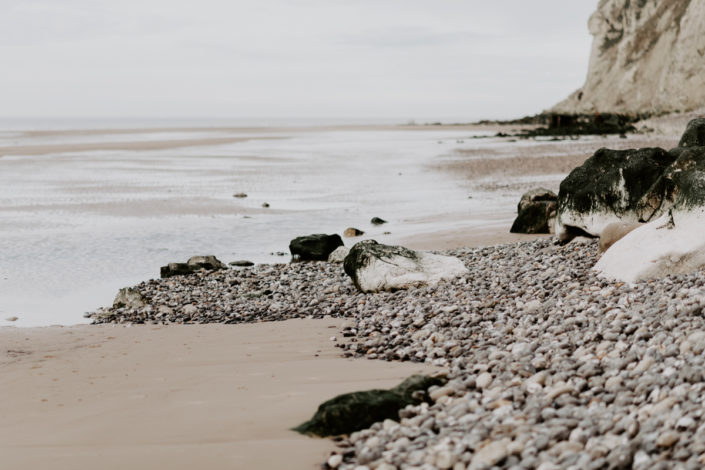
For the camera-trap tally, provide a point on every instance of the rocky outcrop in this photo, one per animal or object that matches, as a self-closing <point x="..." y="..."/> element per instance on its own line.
<point x="316" y="247"/>
<point x="648" y="57"/>
<point x="607" y="189"/>
<point x="351" y="412"/>
<point x="536" y="212"/>
<point x="374" y="267"/>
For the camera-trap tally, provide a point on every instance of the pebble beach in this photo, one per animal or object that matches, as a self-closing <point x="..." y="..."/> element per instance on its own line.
<point x="548" y="366"/>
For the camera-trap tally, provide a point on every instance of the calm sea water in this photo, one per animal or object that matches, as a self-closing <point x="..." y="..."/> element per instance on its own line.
<point x="77" y="226"/>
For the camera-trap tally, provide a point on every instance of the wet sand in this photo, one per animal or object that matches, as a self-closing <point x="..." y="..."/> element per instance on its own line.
<point x="177" y="397"/>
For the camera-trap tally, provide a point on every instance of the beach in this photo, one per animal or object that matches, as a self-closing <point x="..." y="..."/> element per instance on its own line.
<point x="152" y="391"/>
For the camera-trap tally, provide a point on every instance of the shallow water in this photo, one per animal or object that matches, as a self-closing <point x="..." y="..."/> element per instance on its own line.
<point x="77" y="226"/>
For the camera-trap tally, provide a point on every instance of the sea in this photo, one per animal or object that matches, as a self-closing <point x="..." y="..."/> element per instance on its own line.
<point x="78" y="222"/>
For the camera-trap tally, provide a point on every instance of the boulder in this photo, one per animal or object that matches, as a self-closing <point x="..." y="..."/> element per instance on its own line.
<point x="375" y="267"/>
<point x="316" y="247"/>
<point x="377" y="221"/>
<point x="338" y="255"/>
<point x="694" y="135"/>
<point x="606" y="189"/>
<point x="194" y="263"/>
<point x="682" y="184"/>
<point x="129" y="297"/>
<point x="209" y="262"/>
<point x="352" y="412"/>
<point x="536" y="212"/>
<point x="613" y="233"/>
<point x="672" y="244"/>
<point x="352" y="232"/>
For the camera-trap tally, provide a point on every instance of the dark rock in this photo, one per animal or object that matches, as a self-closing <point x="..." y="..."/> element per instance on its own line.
<point x="243" y="263"/>
<point x="608" y="187"/>
<point x="377" y="221"/>
<point x="209" y="262"/>
<point x="694" y="135"/>
<point x="352" y="232"/>
<point x="314" y="247"/>
<point x="536" y="212"/>
<point x="265" y="205"/>
<point x="175" y="269"/>
<point x="351" y="412"/>
<point x="681" y="186"/>
<point x="240" y="195"/>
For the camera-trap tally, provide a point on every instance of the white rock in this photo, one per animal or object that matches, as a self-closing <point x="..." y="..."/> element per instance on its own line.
<point x="657" y="249"/>
<point x="490" y="454"/>
<point x="335" y="460"/>
<point x="483" y="380"/>
<point x="445" y="459"/>
<point x="338" y="255"/>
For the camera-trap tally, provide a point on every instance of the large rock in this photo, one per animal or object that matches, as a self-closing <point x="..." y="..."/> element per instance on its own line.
<point x="694" y="135"/>
<point x="351" y="412"/>
<point x="672" y="244"/>
<point x="195" y="263"/>
<point x="536" y="212"/>
<point x="129" y="297"/>
<point x="647" y="57"/>
<point x="316" y="247"/>
<point x="607" y="188"/>
<point x="375" y="267"/>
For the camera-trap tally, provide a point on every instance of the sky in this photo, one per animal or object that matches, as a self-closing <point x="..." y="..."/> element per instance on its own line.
<point x="372" y="59"/>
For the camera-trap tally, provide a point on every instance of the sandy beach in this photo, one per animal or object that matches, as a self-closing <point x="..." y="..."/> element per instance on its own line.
<point x="179" y="397"/>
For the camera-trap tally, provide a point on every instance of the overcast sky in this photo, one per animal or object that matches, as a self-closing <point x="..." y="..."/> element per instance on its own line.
<point x="407" y="59"/>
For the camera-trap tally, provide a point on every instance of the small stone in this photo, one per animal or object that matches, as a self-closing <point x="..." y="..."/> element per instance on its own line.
<point x="667" y="439"/>
<point x="483" y="380"/>
<point x="441" y="392"/>
<point x="377" y="221"/>
<point x="241" y="263"/>
<point x="335" y="460"/>
<point x="352" y="232"/>
<point x="686" y="422"/>
<point x="445" y="460"/>
<point x="490" y="454"/>
<point x="240" y="195"/>
<point x="11" y="319"/>
<point x="265" y="205"/>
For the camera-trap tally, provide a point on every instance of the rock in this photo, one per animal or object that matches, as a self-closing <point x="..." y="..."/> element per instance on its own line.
<point x="647" y="58"/>
<point x="335" y="460"/>
<point x="483" y="380"/>
<point x="681" y="185"/>
<point x="128" y="297"/>
<point x="536" y="212"/>
<point x="375" y="267"/>
<point x="377" y="221"/>
<point x="175" y="269"/>
<point x="13" y="318"/>
<point x="316" y="247"/>
<point x="490" y="454"/>
<point x="607" y="188"/>
<point x="667" y="439"/>
<point x="240" y="195"/>
<point x="242" y="263"/>
<point x="613" y="233"/>
<point x="209" y="262"/>
<point x="694" y="135"/>
<point x="352" y="232"/>
<point x="265" y="205"/>
<point x="359" y="410"/>
<point x="338" y="255"/>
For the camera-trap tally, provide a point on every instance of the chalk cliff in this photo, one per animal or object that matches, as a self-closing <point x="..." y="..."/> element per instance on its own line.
<point x="648" y="56"/>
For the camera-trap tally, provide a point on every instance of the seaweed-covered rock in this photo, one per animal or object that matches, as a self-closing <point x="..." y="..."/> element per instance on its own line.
<point x="351" y="412"/>
<point x="607" y="189"/>
<point x="375" y="267"/>
<point x="316" y="247"/>
<point x="377" y="221"/>
<point x="536" y="212"/>
<point x="694" y="135"/>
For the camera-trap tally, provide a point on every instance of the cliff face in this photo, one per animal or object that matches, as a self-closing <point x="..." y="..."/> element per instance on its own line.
<point x="648" y="56"/>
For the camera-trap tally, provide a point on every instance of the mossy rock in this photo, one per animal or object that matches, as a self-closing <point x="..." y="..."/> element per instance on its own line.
<point x="352" y="412"/>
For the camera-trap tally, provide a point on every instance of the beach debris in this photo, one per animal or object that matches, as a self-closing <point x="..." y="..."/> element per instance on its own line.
<point x="377" y="221"/>
<point x="242" y="263"/>
<point x="374" y="267"/>
<point x="315" y="247"/>
<point x="240" y="195"/>
<point x="338" y="255"/>
<point x="13" y="318"/>
<point x="195" y="263"/>
<point x="351" y="412"/>
<point x="536" y="212"/>
<point x="129" y="297"/>
<point x="352" y="232"/>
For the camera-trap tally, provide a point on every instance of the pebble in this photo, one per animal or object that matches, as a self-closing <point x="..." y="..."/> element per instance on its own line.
<point x="598" y="373"/>
<point x="11" y="319"/>
<point x="335" y="460"/>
